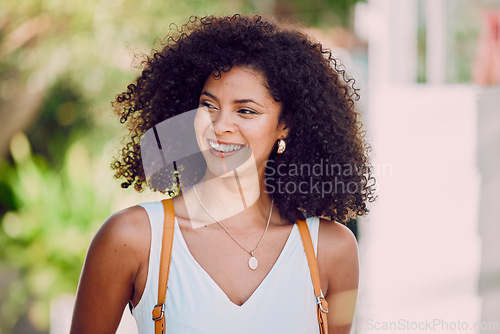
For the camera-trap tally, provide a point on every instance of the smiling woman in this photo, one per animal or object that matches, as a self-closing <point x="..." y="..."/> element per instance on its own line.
<point x="263" y="98"/>
<point x="242" y="114"/>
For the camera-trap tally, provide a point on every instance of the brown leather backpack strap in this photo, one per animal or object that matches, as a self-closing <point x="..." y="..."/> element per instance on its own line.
<point x="313" y="269"/>
<point x="166" y="252"/>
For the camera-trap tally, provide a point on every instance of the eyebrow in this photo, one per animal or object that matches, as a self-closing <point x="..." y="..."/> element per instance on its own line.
<point x="236" y="101"/>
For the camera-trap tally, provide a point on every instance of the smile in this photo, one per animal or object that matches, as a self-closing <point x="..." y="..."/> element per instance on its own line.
<point x="220" y="147"/>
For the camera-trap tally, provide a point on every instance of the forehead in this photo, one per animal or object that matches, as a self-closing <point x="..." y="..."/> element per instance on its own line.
<point x="239" y="80"/>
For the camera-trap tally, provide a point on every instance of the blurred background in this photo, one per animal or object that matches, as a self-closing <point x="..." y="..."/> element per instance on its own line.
<point x="429" y="79"/>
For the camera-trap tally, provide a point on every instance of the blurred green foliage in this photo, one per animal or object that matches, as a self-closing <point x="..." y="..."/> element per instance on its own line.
<point x="321" y="13"/>
<point x="61" y="62"/>
<point x="46" y="232"/>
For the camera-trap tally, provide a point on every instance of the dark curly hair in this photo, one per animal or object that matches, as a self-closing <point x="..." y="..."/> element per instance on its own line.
<point x="317" y="101"/>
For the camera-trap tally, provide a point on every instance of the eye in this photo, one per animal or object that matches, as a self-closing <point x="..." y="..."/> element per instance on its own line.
<point x="246" y="111"/>
<point x="207" y="105"/>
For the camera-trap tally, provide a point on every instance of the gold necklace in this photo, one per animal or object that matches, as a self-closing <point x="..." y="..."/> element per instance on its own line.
<point x="252" y="262"/>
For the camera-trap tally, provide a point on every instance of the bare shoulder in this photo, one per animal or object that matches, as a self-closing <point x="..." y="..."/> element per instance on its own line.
<point x="126" y="228"/>
<point x="125" y="239"/>
<point x="339" y="271"/>
<point x="117" y="255"/>
<point x="336" y="240"/>
<point x="338" y="256"/>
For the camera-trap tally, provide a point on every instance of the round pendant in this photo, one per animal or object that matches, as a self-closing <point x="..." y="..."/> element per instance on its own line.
<point x="253" y="263"/>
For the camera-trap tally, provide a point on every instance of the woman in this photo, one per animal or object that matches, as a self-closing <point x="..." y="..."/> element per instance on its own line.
<point x="275" y="122"/>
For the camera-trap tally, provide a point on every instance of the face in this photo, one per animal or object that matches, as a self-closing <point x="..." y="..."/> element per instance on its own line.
<point x="237" y="121"/>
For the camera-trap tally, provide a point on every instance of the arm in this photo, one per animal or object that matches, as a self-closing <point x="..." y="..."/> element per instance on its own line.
<point x="338" y="262"/>
<point x="108" y="279"/>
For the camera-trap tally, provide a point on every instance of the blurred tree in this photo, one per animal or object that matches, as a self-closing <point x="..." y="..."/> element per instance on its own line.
<point x="320" y="13"/>
<point x="84" y="42"/>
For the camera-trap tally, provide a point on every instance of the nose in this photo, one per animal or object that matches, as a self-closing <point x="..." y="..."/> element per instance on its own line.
<point x="223" y="122"/>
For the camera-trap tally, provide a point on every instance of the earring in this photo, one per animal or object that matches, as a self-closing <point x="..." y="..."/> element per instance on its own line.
<point x="281" y="146"/>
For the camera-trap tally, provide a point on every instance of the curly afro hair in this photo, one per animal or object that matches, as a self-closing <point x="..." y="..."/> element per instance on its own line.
<point x="325" y="169"/>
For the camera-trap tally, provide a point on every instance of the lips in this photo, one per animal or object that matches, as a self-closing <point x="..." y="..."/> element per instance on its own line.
<point x="223" y="148"/>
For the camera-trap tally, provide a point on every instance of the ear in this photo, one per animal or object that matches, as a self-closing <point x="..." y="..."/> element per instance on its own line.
<point x="282" y="131"/>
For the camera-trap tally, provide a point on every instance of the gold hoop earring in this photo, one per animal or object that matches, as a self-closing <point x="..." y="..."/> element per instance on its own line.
<point x="281" y="146"/>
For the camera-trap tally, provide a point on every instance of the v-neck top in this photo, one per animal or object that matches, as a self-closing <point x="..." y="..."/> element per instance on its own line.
<point x="284" y="302"/>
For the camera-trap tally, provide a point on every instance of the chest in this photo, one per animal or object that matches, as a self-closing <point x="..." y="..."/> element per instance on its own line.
<point x="277" y="298"/>
<point x="226" y="259"/>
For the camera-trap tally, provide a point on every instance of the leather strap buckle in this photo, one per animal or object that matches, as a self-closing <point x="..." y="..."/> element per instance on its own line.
<point x="319" y="301"/>
<point x="158" y="311"/>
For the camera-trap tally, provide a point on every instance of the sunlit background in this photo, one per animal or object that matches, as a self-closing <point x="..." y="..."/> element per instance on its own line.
<point x="429" y="77"/>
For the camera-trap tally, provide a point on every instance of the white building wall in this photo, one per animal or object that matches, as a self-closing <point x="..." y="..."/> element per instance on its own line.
<point x="428" y="261"/>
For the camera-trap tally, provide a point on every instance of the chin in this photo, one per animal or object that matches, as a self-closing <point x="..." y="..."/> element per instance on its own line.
<point x="243" y="163"/>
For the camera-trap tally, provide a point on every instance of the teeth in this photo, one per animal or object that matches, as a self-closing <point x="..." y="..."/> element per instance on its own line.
<point x="223" y="147"/>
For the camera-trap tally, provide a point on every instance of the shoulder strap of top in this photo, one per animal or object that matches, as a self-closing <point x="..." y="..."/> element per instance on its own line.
<point x="313" y="269"/>
<point x="166" y="252"/>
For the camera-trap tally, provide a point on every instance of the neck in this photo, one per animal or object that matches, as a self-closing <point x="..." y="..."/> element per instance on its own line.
<point x="234" y="200"/>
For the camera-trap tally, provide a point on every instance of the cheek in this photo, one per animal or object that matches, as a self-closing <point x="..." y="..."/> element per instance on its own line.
<point x="202" y="125"/>
<point x="202" y="119"/>
<point x="263" y="139"/>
